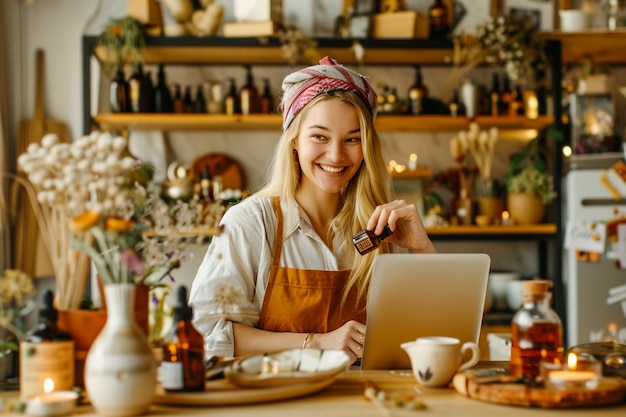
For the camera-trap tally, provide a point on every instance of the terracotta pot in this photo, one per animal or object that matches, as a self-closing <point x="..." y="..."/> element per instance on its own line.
<point x="526" y="208"/>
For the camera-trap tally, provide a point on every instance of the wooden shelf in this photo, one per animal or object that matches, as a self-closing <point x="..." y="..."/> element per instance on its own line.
<point x="257" y="122"/>
<point x="267" y="51"/>
<point x="605" y="47"/>
<point x="543" y="228"/>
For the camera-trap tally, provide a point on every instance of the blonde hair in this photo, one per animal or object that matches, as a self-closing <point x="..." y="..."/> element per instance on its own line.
<point x="369" y="188"/>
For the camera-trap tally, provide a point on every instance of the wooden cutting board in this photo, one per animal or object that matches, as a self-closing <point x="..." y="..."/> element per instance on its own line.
<point x="29" y="252"/>
<point x="502" y="389"/>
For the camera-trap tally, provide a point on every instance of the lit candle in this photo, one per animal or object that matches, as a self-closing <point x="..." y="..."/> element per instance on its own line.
<point x="51" y="403"/>
<point x="579" y="372"/>
<point x="412" y="162"/>
<point x="506" y="219"/>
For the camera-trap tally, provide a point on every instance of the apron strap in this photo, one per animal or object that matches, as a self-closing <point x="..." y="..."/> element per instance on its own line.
<point x="278" y="241"/>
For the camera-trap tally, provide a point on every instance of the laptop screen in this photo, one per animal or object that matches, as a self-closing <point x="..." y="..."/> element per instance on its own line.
<point x="413" y="295"/>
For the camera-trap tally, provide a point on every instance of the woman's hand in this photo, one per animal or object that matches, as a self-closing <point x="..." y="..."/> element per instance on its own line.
<point x="349" y="338"/>
<point x="405" y="221"/>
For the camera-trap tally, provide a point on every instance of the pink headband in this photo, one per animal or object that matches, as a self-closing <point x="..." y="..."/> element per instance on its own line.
<point x="300" y="87"/>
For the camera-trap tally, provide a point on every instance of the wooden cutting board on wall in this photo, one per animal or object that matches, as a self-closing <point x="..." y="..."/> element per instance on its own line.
<point x="29" y="252"/>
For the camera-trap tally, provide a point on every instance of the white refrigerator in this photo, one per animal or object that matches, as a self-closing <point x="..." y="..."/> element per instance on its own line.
<point x="594" y="281"/>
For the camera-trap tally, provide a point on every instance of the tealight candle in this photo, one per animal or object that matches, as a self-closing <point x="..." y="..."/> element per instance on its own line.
<point x="52" y="404"/>
<point x="412" y="165"/>
<point x="506" y="219"/>
<point x="580" y="371"/>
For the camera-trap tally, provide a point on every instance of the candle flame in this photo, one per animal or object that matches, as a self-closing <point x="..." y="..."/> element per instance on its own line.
<point x="571" y="361"/>
<point x="505" y="215"/>
<point x="48" y="385"/>
<point x="413" y="157"/>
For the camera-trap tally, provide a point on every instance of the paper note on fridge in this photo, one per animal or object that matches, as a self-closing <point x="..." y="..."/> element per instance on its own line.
<point x="586" y="236"/>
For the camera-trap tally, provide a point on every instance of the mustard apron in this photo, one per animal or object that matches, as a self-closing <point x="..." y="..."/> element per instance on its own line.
<point x="304" y="300"/>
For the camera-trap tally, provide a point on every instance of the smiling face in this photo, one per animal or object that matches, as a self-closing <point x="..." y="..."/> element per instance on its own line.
<point x="329" y="146"/>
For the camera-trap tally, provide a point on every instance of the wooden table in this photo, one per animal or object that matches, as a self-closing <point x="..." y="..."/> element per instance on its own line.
<point x="344" y="398"/>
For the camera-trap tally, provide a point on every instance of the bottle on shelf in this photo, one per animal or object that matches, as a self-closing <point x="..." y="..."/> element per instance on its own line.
<point x="438" y="18"/>
<point x="249" y="95"/>
<point x="494" y="95"/>
<point x="391" y="104"/>
<point x="139" y="87"/>
<point x="182" y="367"/>
<point x="199" y="105"/>
<point x="455" y="106"/>
<point x="417" y="93"/>
<point x="188" y="104"/>
<point x="469" y="97"/>
<point x="178" y="105"/>
<point x="381" y="98"/>
<point x="266" y="101"/>
<point x="536" y="331"/>
<point x="163" y="102"/>
<point x="216" y="101"/>
<point x="231" y="101"/>
<point x="47" y="353"/>
<point x="206" y="186"/>
<point x="506" y="96"/>
<point x="517" y="106"/>
<point x="118" y="93"/>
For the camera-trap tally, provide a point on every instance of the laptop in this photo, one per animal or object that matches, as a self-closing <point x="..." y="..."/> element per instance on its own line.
<point x="413" y="295"/>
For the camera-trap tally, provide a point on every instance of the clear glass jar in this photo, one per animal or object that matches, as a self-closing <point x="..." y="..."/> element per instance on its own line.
<point x="536" y="331"/>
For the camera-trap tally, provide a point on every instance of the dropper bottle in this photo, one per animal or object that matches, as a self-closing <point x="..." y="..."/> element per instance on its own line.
<point x="182" y="368"/>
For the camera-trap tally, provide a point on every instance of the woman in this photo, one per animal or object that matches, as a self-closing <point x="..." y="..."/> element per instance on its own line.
<point x="284" y="272"/>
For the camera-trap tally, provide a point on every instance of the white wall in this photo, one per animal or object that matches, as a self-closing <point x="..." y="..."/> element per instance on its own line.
<point x="58" y="25"/>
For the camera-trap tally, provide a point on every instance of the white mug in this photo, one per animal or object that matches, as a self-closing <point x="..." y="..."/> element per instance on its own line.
<point x="435" y="359"/>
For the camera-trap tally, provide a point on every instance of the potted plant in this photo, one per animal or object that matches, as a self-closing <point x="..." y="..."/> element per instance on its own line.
<point x="122" y="40"/>
<point x="530" y="187"/>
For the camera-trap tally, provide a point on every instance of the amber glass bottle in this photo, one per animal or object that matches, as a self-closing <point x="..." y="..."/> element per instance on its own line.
<point x="438" y="19"/>
<point x="188" y="106"/>
<point x="266" y="101"/>
<point x="536" y="331"/>
<point x="231" y="101"/>
<point x="182" y="368"/>
<point x="417" y="93"/>
<point x="162" y="94"/>
<point x="366" y="241"/>
<point x="249" y="95"/>
<point x="118" y="93"/>
<point x="179" y="107"/>
<point x="140" y="91"/>
<point x="199" y="105"/>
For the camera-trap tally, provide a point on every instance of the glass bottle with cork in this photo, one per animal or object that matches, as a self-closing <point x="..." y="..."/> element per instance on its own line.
<point x="536" y="331"/>
<point x="47" y="354"/>
<point x="182" y="368"/>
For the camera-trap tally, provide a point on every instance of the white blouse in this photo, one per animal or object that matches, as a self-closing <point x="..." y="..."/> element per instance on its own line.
<point x="231" y="281"/>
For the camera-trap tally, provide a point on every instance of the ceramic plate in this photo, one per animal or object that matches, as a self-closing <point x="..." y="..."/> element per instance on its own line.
<point x="287" y="367"/>
<point x="223" y="392"/>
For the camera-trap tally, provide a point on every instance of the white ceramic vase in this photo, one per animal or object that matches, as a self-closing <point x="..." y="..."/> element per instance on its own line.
<point x="120" y="370"/>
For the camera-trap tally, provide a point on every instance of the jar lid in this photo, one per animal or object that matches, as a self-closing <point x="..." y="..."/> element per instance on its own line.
<point x="536" y="286"/>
